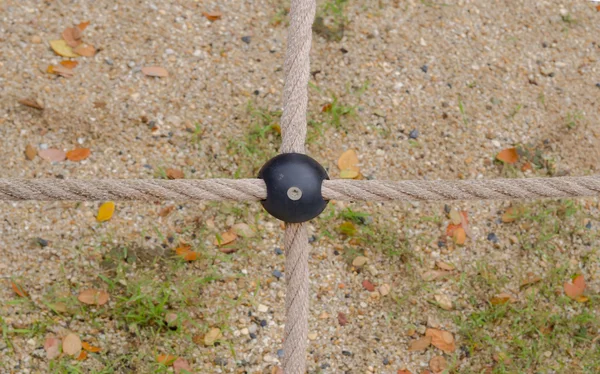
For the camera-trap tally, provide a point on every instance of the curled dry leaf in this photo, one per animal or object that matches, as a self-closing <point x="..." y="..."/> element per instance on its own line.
<point x="530" y="279"/>
<point x="61" y="48"/>
<point x="71" y="345"/>
<point x="225" y="238"/>
<point x="212" y="16"/>
<point x="438" y="364"/>
<point x="155" y="71"/>
<point x="106" y="211"/>
<point x="575" y="289"/>
<point x="69" y="64"/>
<point x="403" y="371"/>
<point x="90" y="348"/>
<point x="509" y="156"/>
<point x="166" y="360"/>
<point x="52" y="154"/>
<point x="441" y="339"/>
<point x="85" y="50"/>
<point x="52" y="347"/>
<point x="181" y="364"/>
<point x="18" y="289"/>
<point x="420" y="344"/>
<point x="72" y="36"/>
<point x="93" y="297"/>
<point x="78" y="154"/>
<point x="32" y="103"/>
<point x="175" y="174"/>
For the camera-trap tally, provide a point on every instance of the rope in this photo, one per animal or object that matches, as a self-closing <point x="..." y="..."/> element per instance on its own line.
<point x="337" y="189"/>
<point x="293" y="131"/>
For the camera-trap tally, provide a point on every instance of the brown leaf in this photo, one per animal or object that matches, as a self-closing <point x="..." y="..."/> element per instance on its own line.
<point x="78" y="154"/>
<point x="513" y="213"/>
<point x="72" y="35"/>
<point x="342" y="319"/>
<point x="175" y="174"/>
<point x="31" y="103"/>
<point x="181" y="364"/>
<point x="85" y="50"/>
<point x="460" y="236"/>
<point x="52" y="347"/>
<point x="451" y="229"/>
<point x="530" y="279"/>
<point x="60" y="70"/>
<point x="99" y="104"/>
<point x="575" y="288"/>
<point x="225" y="238"/>
<point x="83" y="25"/>
<point x="349" y="161"/>
<point x="502" y="298"/>
<point x="82" y="356"/>
<point x="18" y="289"/>
<point x="69" y="64"/>
<point x="166" y="211"/>
<point x="212" y="336"/>
<point x="434" y="274"/>
<point x="420" y="344"/>
<point x="441" y="339"/>
<point x="368" y="286"/>
<point x="166" y="360"/>
<point x="445" y="266"/>
<point x="52" y="154"/>
<point x="212" y="16"/>
<point x="403" y="371"/>
<point x="438" y="364"/>
<point x="71" y="345"/>
<point x="93" y="297"/>
<point x="90" y="348"/>
<point x="155" y="71"/>
<point x="509" y="156"/>
<point x="228" y="250"/>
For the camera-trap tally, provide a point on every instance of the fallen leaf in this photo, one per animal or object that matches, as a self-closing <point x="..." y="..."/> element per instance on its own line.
<point x="93" y="297"/>
<point x="82" y="356"/>
<point x="52" y="154"/>
<point x="52" y="347"/>
<point x="83" y="25"/>
<point x="155" y="71"/>
<point x="99" y="104"/>
<point x="228" y="250"/>
<point x="502" y="298"/>
<point x="212" y="16"/>
<point x="530" y="279"/>
<point x="445" y="266"/>
<point x="438" y="364"/>
<point x="420" y="344"/>
<point x="61" y="48"/>
<point x="212" y="336"/>
<point x="526" y="166"/>
<point x="349" y="174"/>
<point x="441" y="339"/>
<point x="434" y="274"/>
<point x="166" y="360"/>
<point x="69" y="64"/>
<point x="72" y="36"/>
<point x="444" y="302"/>
<point x="59" y="307"/>
<point x="403" y="371"/>
<point x="513" y="213"/>
<point x="368" y="286"/>
<point x="71" y="345"/>
<point x="190" y="256"/>
<point x="455" y="217"/>
<point x="509" y="156"/>
<point x="244" y="230"/>
<point x="166" y="211"/>
<point x="60" y="70"/>
<point x="225" y="238"/>
<point x="90" y="348"/>
<point x="451" y="229"/>
<point x="342" y="319"/>
<point x="575" y="288"/>
<point x="106" y="211"/>
<point x="175" y="174"/>
<point x="31" y="103"/>
<point x="78" y="154"/>
<point x="459" y="236"/>
<point x="181" y="364"/>
<point x="85" y="50"/>
<point x="347" y="228"/>
<point x="349" y="161"/>
<point x="18" y="289"/>
<point x="384" y="289"/>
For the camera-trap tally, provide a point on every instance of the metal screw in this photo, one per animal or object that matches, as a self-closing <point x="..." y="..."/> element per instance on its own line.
<point x="294" y="193"/>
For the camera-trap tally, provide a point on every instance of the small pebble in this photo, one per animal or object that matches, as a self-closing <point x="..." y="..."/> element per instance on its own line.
<point x="246" y="39"/>
<point x="441" y="244"/>
<point x="277" y="274"/>
<point x="313" y="336"/>
<point x="36" y="39"/>
<point x="278" y="251"/>
<point x="280" y="353"/>
<point x="312" y="239"/>
<point x="253" y="328"/>
<point x="347" y="353"/>
<point x="252" y="335"/>
<point x="598" y="85"/>
<point x="424" y="68"/>
<point x="42" y="242"/>
<point x="109" y="62"/>
<point x="262" y="308"/>
<point x="414" y="134"/>
<point x="588" y="225"/>
<point x="220" y="361"/>
<point x="359" y="261"/>
<point x="325" y="366"/>
<point x="263" y="323"/>
<point x="386" y="361"/>
<point x="492" y="237"/>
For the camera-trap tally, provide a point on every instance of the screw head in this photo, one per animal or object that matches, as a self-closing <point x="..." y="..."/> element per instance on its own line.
<point x="294" y="193"/>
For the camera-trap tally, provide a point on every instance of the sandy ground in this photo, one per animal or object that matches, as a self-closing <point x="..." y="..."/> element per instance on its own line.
<point x="527" y="73"/>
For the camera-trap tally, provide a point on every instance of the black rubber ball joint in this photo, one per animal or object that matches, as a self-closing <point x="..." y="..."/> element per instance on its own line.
<point x="293" y="187"/>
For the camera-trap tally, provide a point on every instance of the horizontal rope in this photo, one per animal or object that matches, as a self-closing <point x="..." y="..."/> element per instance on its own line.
<point x="255" y="189"/>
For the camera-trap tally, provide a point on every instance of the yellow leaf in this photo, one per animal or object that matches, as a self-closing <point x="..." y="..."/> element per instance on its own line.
<point x="348" y="174"/>
<point x="61" y="48"/>
<point x="106" y="211"/>
<point x="349" y="161"/>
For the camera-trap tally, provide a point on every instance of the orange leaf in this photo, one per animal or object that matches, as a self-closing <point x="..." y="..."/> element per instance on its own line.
<point x="90" y="348"/>
<point x="501" y="298"/>
<point x="403" y="371"/>
<point x="19" y="289"/>
<point x="183" y="248"/>
<point x="31" y="103"/>
<point x="155" y="71"/>
<point x="460" y="236"/>
<point x="575" y="289"/>
<point x="72" y="35"/>
<point x="83" y="25"/>
<point x="420" y="344"/>
<point x="191" y="256"/>
<point x="167" y="360"/>
<point x="451" y="229"/>
<point x="212" y="16"/>
<point x="85" y="50"/>
<point x="60" y="70"/>
<point x="69" y="64"/>
<point x="82" y="356"/>
<point x="512" y="214"/>
<point x="175" y="174"/>
<point x="78" y="154"/>
<point x="326" y="108"/>
<point x="526" y="166"/>
<point x="508" y="155"/>
<point x="441" y="339"/>
<point x="93" y="297"/>
<point x="166" y="211"/>
<point x="226" y="238"/>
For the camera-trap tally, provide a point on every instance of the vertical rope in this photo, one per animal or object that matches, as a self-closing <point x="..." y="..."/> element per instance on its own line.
<point x="293" y="129"/>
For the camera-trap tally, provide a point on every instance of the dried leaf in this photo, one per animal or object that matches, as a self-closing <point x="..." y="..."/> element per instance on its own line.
<point x="166" y="360"/>
<point x="93" y="297"/>
<point x="32" y="103"/>
<point x="445" y="266"/>
<point x="431" y="275"/>
<point x="212" y="336"/>
<point x="459" y="236"/>
<point x="90" y="348"/>
<point x="502" y="298"/>
<point x="52" y="154"/>
<point x="451" y="229"/>
<point x="349" y="161"/>
<point x="106" y="211"/>
<point x="78" y="154"/>
<point x="72" y="36"/>
<point x="212" y="16"/>
<point x="403" y="371"/>
<point x="526" y="166"/>
<point x="438" y="364"/>
<point x="181" y="364"/>
<point x="52" y="347"/>
<point x="60" y="70"/>
<point x="83" y="25"/>
<point x="155" y="71"/>
<point x="61" y="48"/>
<point x="18" y="289"/>
<point x="349" y="174"/>
<point x="444" y="302"/>
<point x="85" y="50"/>
<point x="575" y="288"/>
<point x="420" y="344"/>
<point x="166" y="211"/>
<point x="243" y="229"/>
<point x="175" y="174"/>
<point x="69" y="64"/>
<point x="342" y="319"/>
<point x="347" y="228"/>
<point x="225" y="238"/>
<point x="71" y="345"/>
<point x="441" y="339"/>
<point x="190" y="256"/>
<point x="82" y="356"/>
<point x="509" y="156"/>
<point x="530" y="279"/>
<point x="513" y="213"/>
<point x="454" y="217"/>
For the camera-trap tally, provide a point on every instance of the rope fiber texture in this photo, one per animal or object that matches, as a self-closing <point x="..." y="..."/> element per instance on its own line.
<point x="336" y="189"/>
